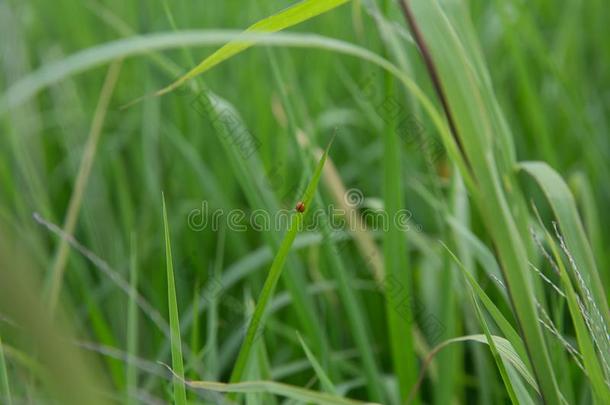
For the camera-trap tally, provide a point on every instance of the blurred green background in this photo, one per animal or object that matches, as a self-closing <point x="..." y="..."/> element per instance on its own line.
<point x="548" y="66"/>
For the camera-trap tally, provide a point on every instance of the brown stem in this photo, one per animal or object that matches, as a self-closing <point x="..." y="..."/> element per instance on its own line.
<point x="427" y="361"/>
<point x="432" y="71"/>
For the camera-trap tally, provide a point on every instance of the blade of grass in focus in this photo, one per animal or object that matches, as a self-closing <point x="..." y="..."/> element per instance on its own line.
<point x="257" y="320"/>
<point x="337" y="269"/>
<point x="174" y="319"/>
<point x="259" y="195"/>
<point x="293" y="15"/>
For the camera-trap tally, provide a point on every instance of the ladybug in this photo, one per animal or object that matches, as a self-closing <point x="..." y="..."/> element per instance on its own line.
<point x="300" y="206"/>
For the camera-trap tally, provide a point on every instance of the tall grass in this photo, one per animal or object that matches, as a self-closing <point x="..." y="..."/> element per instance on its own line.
<point x="495" y="291"/>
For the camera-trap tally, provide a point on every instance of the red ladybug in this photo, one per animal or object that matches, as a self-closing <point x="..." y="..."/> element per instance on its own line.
<point x="300" y="206"/>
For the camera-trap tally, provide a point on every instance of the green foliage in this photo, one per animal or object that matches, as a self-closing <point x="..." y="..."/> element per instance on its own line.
<point x="174" y="318"/>
<point x="482" y="125"/>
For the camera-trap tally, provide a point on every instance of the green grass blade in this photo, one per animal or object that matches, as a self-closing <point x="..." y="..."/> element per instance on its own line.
<point x="132" y="325"/>
<point x="504" y="349"/>
<point x="24" y="89"/>
<point x="337" y="270"/>
<point x="5" y="388"/>
<point x="257" y="321"/>
<point x="300" y="394"/>
<point x="565" y="210"/>
<point x="500" y="320"/>
<point x="354" y="311"/>
<point x="581" y="186"/>
<point x="174" y="320"/>
<point x="396" y="261"/>
<point x="495" y="352"/>
<point x="325" y="381"/>
<point x="80" y="185"/>
<point x="293" y="15"/>
<point x="584" y="337"/>
<point x="258" y="195"/>
<point x="508" y="353"/>
<point x="495" y="193"/>
<point x="587" y="280"/>
<point x="264" y="371"/>
<point x="490" y="341"/>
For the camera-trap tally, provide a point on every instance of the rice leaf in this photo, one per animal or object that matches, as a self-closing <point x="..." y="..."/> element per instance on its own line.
<point x="584" y="336"/>
<point x="174" y="320"/>
<point x="396" y="260"/>
<point x="289" y="17"/>
<point x="500" y="320"/>
<point x="490" y="341"/>
<point x="257" y="319"/>
<point x="322" y="376"/>
<point x="476" y="122"/>
<point x="507" y="352"/>
<point x="285" y="390"/>
<point x="564" y="207"/>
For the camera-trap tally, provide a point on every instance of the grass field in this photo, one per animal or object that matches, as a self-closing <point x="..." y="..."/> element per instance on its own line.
<point x="316" y="201"/>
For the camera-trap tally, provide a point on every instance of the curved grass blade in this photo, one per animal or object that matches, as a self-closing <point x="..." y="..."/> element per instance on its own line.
<point x="174" y="320"/>
<point x="495" y="352"/>
<point x="504" y="349"/>
<point x="496" y="197"/>
<point x="296" y="393"/>
<point x="500" y="320"/>
<point x="585" y="340"/>
<point x="584" y="268"/>
<point x="490" y="341"/>
<point x="291" y="16"/>
<point x="26" y="88"/>
<point x="562" y="202"/>
<point x="322" y="376"/>
<point x="257" y="321"/>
